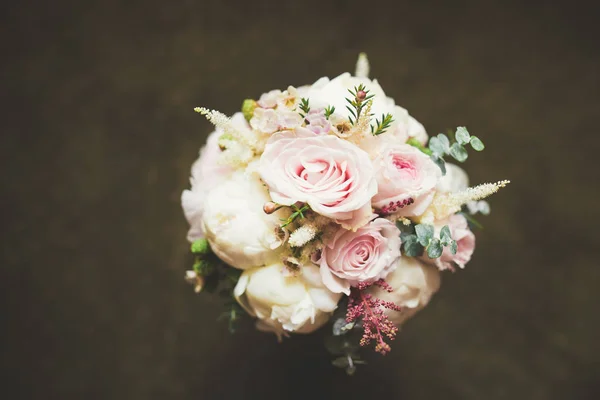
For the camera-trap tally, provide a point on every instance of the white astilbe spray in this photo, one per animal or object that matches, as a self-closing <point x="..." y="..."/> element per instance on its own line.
<point x="239" y="145"/>
<point x="303" y="235"/>
<point x="362" y="66"/>
<point x="447" y="204"/>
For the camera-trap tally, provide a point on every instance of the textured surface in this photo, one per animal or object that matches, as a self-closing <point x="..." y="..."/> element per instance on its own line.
<point x="98" y="135"/>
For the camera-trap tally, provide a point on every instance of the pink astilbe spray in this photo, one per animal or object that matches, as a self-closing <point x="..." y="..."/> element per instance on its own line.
<point x="370" y="310"/>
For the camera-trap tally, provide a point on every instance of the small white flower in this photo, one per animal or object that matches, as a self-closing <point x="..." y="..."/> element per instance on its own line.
<point x="302" y="235"/>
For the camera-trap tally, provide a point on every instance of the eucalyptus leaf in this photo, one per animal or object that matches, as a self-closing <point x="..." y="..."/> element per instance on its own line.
<point x="340" y="362"/>
<point x="476" y="143"/>
<point x="445" y="236"/>
<point x="445" y="142"/>
<point x="440" y="163"/>
<point x="424" y="233"/>
<point x="436" y="146"/>
<point x="462" y="135"/>
<point x="412" y="247"/>
<point x="453" y="247"/>
<point x="434" y="250"/>
<point x="458" y="152"/>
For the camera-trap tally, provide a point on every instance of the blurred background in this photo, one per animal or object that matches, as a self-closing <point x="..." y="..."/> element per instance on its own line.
<point x="98" y="136"/>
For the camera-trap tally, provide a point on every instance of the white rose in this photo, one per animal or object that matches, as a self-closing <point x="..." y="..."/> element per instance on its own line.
<point x="413" y="284"/>
<point x="455" y="180"/>
<point x="283" y="303"/>
<point x="238" y="230"/>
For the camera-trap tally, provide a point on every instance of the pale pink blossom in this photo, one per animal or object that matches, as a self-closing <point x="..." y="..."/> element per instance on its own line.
<point x="334" y="177"/>
<point x="268" y="121"/>
<point x="317" y="122"/>
<point x="362" y="256"/>
<point x="406" y="178"/>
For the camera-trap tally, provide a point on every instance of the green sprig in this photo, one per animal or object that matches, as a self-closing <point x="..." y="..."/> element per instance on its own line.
<point x="381" y="126"/>
<point x="329" y="110"/>
<point x="304" y="106"/>
<point x="440" y="146"/>
<point x="298" y="212"/>
<point x="357" y="103"/>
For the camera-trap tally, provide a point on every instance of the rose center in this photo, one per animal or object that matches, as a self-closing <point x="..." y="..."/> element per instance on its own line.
<point x="406" y="169"/>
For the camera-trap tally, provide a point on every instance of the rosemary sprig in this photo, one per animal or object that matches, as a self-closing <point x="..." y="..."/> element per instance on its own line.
<point x="298" y="212"/>
<point x="383" y="125"/>
<point x="359" y="99"/>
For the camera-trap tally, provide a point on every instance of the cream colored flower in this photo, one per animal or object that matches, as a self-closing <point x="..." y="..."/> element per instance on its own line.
<point x="237" y="228"/>
<point x="283" y="302"/>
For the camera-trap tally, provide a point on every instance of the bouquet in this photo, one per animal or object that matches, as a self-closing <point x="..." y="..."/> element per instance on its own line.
<point x="330" y="203"/>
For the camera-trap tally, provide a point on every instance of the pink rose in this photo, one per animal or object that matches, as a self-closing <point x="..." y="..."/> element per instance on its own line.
<point x="207" y="173"/>
<point x="334" y="177"/>
<point x="366" y="255"/>
<point x="406" y="178"/>
<point x="465" y="240"/>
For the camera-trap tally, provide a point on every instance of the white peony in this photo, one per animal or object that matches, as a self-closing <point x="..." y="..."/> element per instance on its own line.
<point x="285" y="303"/>
<point x="325" y="92"/>
<point x="413" y="284"/>
<point x="234" y="222"/>
<point x="455" y="180"/>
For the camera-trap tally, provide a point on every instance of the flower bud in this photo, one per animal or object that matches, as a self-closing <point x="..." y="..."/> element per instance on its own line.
<point x="270" y="207"/>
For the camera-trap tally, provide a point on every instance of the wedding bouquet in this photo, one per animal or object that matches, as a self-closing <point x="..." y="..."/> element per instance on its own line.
<point x="329" y="202"/>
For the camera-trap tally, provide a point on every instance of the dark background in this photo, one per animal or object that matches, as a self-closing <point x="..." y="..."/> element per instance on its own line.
<point x="98" y="135"/>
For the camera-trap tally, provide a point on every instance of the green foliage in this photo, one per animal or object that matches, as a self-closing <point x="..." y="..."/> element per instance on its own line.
<point x="304" y="106"/>
<point x="329" y="110"/>
<point x="472" y="221"/>
<point x="421" y="238"/>
<point x="357" y="102"/>
<point x="411" y="246"/>
<point x="232" y="315"/>
<point x="458" y="152"/>
<point x="424" y="233"/>
<point x="477" y="144"/>
<point x="434" y="248"/>
<point x="298" y="212"/>
<point x="462" y="135"/>
<point x="201" y="247"/>
<point x="415" y="143"/>
<point x="203" y="267"/>
<point x="381" y="126"/>
<point x="248" y="107"/>
<point x="441" y="146"/>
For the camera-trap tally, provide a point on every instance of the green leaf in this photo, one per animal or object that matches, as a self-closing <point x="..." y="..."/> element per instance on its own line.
<point x="434" y="250"/>
<point x="436" y="146"/>
<point x="462" y="135"/>
<point x="458" y="152"/>
<point x="415" y="143"/>
<point x="476" y="143"/>
<point x="445" y="142"/>
<point x="445" y="236"/>
<point x="453" y="247"/>
<point x="424" y="233"/>
<point x="200" y="247"/>
<point x="340" y="362"/>
<point x="412" y="247"/>
<point x="440" y="163"/>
